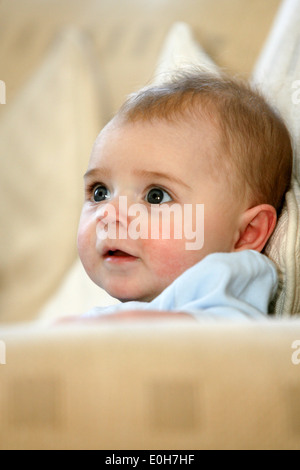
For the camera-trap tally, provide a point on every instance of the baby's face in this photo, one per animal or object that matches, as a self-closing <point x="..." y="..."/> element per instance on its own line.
<point x="155" y="165"/>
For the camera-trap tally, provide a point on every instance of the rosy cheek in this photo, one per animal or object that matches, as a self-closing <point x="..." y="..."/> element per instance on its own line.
<point x="166" y="258"/>
<point x="85" y="240"/>
<point x="81" y="237"/>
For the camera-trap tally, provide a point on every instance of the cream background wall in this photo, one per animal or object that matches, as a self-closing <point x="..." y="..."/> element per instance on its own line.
<point x="128" y="34"/>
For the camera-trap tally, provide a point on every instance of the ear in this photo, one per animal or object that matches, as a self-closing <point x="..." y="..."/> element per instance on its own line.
<point x="256" y="226"/>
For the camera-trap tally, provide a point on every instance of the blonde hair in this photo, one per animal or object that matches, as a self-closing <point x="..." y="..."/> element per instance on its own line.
<point x="256" y="148"/>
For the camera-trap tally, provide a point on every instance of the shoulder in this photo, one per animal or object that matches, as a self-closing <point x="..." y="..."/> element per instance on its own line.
<point x="249" y="261"/>
<point x="230" y="270"/>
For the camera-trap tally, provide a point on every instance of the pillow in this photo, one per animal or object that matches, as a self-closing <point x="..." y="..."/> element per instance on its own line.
<point x="46" y="136"/>
<point x="277" y="73"/>
<point x="179" y="51"/>
<point x="284" y="250"/>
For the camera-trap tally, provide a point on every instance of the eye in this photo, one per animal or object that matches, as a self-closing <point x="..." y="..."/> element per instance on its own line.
<point x="100" y="193"/>
<point x="157" y="196"/>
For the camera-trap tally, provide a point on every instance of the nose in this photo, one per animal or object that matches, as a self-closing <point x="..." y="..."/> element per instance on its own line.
<point x="114" y="213"/>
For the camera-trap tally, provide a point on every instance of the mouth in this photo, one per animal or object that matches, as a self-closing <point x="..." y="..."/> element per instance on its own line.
<point x="118" y="256"/>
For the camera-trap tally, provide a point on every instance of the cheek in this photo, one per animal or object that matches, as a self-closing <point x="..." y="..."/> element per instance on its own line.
<point x="219" y="231"/>
<point x="85" y="242"/>
<point x="168" y="259"/>
<point x="81" y="244"/>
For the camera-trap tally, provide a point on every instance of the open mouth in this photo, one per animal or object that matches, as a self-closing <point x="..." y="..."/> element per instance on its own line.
<point x="118" y="255"/>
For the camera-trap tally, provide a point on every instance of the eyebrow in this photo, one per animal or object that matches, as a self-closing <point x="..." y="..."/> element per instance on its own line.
<point x="96" y="172"/>
<point x="146" y="174"/>
<point x="158" y="175"/>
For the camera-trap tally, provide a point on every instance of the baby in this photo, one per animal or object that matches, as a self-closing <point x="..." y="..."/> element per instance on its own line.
<point x="212" y="148"/>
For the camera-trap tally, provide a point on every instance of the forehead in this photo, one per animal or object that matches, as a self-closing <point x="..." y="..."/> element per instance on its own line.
<point x="156" y="144"/>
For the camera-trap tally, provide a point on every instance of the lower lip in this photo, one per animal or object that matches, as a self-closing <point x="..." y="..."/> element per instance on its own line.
<point x="120" y="259"/>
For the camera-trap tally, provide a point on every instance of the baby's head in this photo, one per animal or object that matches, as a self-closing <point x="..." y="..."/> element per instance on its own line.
<point x="199" y="142"/>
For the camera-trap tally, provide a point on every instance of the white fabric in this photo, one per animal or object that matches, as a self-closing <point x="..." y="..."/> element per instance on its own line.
<point x="278" y="70"/>
<point x="284" y="250"/>
<point x="180" y="51"/>
<point x="277" y="73"/>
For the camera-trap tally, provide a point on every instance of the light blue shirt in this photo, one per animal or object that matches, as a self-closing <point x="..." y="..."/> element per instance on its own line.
<point x="223" y="286"/>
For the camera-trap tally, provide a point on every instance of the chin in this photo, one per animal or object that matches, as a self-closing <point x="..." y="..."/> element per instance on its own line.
<point x="146" y="299"/>
<point x="130" y="290"/>
<point x="135" y="297"/>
